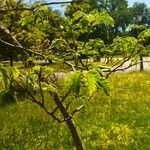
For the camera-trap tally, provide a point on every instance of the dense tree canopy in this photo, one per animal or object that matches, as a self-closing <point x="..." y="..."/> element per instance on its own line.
<point x="141" y="14"/>
<point x="41" y="25"/>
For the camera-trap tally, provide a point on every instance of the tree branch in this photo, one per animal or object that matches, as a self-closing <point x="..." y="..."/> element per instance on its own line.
<point x="19" y="47"/>
<point x="121" y="62"/>
<point x="33" y="8"/>
<point x="5" y="34"/>
<point x="122" y="69"/>
<point x="11" y="41"/>
<point x="63" y="99"/>
<point x="34" y="100"/>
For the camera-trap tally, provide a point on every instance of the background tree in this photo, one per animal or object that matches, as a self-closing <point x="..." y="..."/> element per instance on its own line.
<point x="118" y="10"/>
<point x="19" y="20"/>
<point x="140" y="14"/>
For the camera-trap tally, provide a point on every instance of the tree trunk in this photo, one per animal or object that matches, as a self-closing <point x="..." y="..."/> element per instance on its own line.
<point x="141" y="63"/>
<point x="75" y="135"/>
<point x="11" y="61"/>
<point x="76" y="61"/>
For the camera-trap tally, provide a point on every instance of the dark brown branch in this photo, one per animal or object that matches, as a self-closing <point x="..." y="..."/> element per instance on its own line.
<point x="89" y="98"/>
<point x="33" y="99"/>
<point x="33" y="8"/>
<point x="62" y="100"/>
<point x="19" y="48"/>
<point x="8" y="39"/>
<point x="5" y="34"/>
<point x="66" y="95"/>
<point x="52" y="115"/>
<point x="122" y="69"/>
<point x="121" y="62"/>
<point x="69" y="122"/>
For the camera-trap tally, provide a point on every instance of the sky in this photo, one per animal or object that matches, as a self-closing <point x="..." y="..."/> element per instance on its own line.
<point x="56" y="7"/>
<point x="130" y="2"/>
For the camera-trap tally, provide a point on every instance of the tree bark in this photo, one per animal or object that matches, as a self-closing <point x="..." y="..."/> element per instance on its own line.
<point x="75" y="135"/>
<point x="141" y="63"/>
<point x="11" y="61"/>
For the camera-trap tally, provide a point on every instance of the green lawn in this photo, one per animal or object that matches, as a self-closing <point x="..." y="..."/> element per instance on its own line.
<point x="117" y="122"/>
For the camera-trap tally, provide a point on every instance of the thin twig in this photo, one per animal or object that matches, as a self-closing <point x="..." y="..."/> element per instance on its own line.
<point x="34" y="7"/>
<point x="21" y="48"/>
<point x="122" y="69"/>
<point x="34" y="100"/>
<point x="120" y="63"/>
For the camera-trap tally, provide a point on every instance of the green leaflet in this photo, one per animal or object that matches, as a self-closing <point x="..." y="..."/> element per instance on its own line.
<point x="45" y="69"/>
<point x="88" y="52"/>
<point x="123" y="45"/>
<point x="60" y="44"/>
<point x="96" y="18"/>
<point x="78" y="15"/>
<point x="96" y="43"/>
<point x="91" y="18"/>
<point x="48" y="87"/>
<point x="36" y="69"/>
<point x="14" y="72"/>
<point x="73" y="82"/>
<point x="95" y="82"/>
<point x="92" y="47"/>
<point x="83" y="23"/>
<point x="104" y="18"/>
<point x="103" y="84"/>
<point x="90" y="79"/>
<point x="144" y="36"/>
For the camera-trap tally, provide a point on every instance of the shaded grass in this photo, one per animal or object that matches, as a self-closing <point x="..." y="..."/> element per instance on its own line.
<point x="117" y="122"/>
<point x="25" y="126"/>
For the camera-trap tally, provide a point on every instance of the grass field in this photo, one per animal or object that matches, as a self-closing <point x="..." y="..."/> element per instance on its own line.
<point x="120" y="121"/>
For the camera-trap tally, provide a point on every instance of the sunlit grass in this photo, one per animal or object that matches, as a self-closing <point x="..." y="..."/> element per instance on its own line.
<point x="120" y="121"/>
